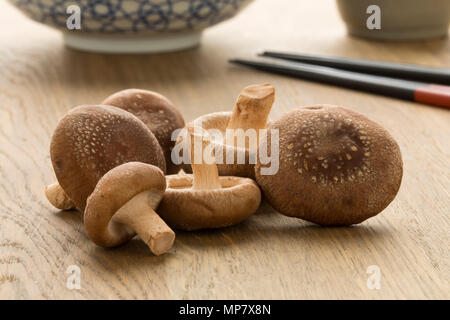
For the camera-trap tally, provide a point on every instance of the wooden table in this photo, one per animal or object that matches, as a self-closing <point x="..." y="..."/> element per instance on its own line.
<point x="269" y="255"/>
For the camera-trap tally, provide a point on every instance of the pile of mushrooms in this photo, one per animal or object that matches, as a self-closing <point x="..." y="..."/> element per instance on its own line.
<point x="335" y="166"/>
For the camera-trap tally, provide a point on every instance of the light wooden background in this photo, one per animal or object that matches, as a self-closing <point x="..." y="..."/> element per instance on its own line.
<point x="269" y="255"/>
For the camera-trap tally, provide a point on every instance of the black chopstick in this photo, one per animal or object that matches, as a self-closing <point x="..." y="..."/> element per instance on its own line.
<point x="395" y="70"/>
<point x="404" y="89"/>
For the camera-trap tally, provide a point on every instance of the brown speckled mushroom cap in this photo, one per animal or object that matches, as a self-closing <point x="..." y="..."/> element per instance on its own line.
<point x="157" y="112"/>
<point x="122" y="204"/>
<point x="186" y="208"/>
<point x="91" y="140"/>
<point x="336" y="167"/>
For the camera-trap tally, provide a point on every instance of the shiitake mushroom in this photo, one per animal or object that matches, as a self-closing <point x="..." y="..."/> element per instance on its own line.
<point x="336" y="167"/>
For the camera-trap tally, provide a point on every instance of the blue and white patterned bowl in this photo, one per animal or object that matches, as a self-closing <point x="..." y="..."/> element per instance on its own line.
<point x="130" y="26"/>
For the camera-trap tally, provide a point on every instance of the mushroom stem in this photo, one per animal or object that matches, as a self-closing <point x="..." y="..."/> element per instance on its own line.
<point x="206" y="174"/>
<point x="57" y="197"/>
<point x="252" y="107"/>
<point x="139" y="215"/>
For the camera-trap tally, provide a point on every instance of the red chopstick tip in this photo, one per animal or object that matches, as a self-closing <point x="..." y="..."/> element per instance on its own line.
<point x="435" y="94"/>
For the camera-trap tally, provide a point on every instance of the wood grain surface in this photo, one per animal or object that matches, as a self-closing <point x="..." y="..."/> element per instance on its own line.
<point x="268" y="256"/>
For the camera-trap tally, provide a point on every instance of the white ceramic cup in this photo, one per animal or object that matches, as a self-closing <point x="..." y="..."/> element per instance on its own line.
<point x="399" y="19"/>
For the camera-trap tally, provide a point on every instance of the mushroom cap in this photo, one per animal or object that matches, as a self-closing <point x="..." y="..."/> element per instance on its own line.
<point x="157" y="112"/>
<point x="112" y="191"/>
<point x="185" y="208"/>
<point x="336" y="167"/>
<point x="219" y="121"/>
<point x="91" y="140"/>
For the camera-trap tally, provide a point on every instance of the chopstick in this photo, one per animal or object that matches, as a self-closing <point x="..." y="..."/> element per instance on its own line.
<point x="434" y="94"/>
<point x="395" y="70"/>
